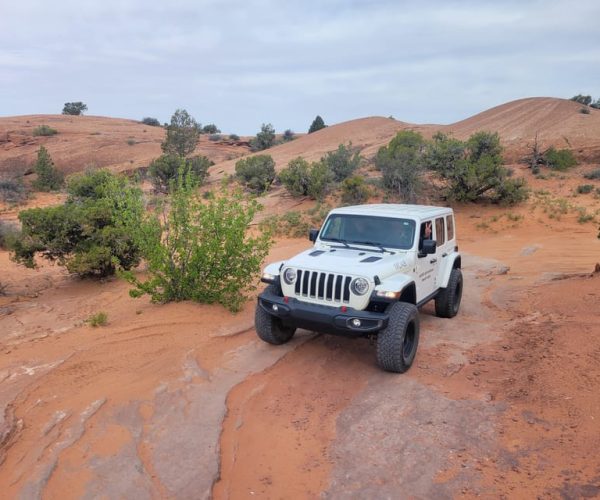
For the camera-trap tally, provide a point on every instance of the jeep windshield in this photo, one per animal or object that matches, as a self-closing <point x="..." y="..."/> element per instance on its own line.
<point x="381" y="232"/>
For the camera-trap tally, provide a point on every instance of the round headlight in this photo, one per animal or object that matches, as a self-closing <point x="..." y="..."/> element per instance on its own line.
<point x="359" y="286"/>
<point x="289" y="276"/>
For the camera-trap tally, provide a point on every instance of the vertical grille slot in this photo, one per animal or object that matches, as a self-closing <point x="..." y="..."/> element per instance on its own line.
<point x="313" y="284"/>
<point x="323" y="286"/>
<point x="347" y="289"/>
<point x="305" y="283"/>
<point x="329" y="291"/>
<point x="338" y="288"/>
<point x="298" y="282"/>
<point x="321" y="290"/>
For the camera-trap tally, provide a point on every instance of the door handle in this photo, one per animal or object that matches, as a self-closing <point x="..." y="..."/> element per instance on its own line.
<point x="433" y="261"/>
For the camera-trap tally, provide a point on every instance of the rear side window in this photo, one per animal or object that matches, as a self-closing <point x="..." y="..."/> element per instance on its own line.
<point x="450" y="225"/>
<point x="440" y="233"/>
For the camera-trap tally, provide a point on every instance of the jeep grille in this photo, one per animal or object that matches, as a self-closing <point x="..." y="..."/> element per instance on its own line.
<point x="326" y="286"/>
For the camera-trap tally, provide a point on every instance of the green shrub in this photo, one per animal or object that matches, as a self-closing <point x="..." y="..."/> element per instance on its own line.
<point x="209" y="255"/>
<point x="342" y="162"/>
<point x="585" y="188"/>
<point x="182" y="134"/>
<point x="214" y="137"/>
<point x="131" y="141"/>
<point x="151" y="122"/>
<point x="84" y="234"/>
<point x="442" y="153"/>
<point x="234" y="137"/>
<point x="584" y="111"/>
<point x="9" y="233"/>
<point x="98" y="319"/>
<point x="593" y="175"/>
<point x="163" y="171"/>
<point x="560" y="159"/>
<point x="12" y="190"/>
<point x="296" y="177"/>
<point x="288" y="135"/>
<point x="256" y="172"/>
<point x="401" y="163"/>
<point x="74" y="108"/>
<point x="44" y="130"/>
<point x="320" y="180"/>
<point x="355" y="190"/>
<point x="264" y="139"/>
<point x="210" y="129"/>
<point x="48" y="177"/>
<point x="316" y="125"/>
<point x="582" y="99"/>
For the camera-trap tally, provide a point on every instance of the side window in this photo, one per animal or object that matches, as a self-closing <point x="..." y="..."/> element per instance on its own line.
<point x="440" y="233"/>
<point x="450" y="225"/>
<point x="425" y="233"/>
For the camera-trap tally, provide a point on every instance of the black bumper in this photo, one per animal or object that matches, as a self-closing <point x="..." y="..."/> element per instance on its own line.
<point x="318" y="318"/>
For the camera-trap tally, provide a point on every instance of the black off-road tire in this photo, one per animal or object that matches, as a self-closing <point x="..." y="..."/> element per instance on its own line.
<point x="447" y="301"/>
<point x="269" y="328"/>
<point x="397" y="344"/>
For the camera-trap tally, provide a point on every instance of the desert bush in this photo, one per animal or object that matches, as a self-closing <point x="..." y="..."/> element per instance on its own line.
<point x="342" y="162"/>
<point x="594" y="174"/>
<point x="211" y="128"/>
<point x="74" y="108"/>
<point x="182" y="134"/>
<point x="84" y="234"/>
<point x="317" y="124"/>
<point x="442" y="153"/>
<point x="264" y="139"/>
<point x="49" y="178"/>
<point x="595" y="104"/>
<point x="44" y="130"/>
<point x="12" y="190"/>
<point x="559" y="159"/>
<point x="8" y="234"/>
<point x="288" y="135"/>
<point x="585" y="188"/>
<point x="200" y="250"/>
<point x="582" y="99"/>
<point x="584" y="111"/>
<point x="164" y="170"/>
<point x="151" y="122"/>
<point x="355" y="190"/>
<point x="98" y="319"/>
<point x="256" y="172"/>
<point x="234" y="137"/>
<point x="401" y="163"/>
<point x="214" y="137"/>
<point x="131" y="141"/>
<point x="302" y="178"/>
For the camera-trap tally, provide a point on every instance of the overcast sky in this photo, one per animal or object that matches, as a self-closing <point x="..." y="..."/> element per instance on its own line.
<point x="239" y="64"/>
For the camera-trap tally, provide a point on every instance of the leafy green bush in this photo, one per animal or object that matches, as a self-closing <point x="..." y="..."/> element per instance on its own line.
<point x="585" y="188"/>
<point x="264" y="139"/>
<point x="401" y="163"/>
<point x="151" y="122"/>
<point x="582" y="99"/>
<point x="355" y="190"/>
<point x="560" y="159"/>
<point x="163" y="171"/>
<point x="234" y="137"/>
<point x="210" y="129"/>
<point x="49" y="178"/>
<point x="9" y="233"/>
<point x="182" y="134"/>
<point x="98" y="319"/>
<point x="306" y="179"/>
<point x="256" y="172"/>
<point x="12" y="190"/>
<point x="200" y="250"/>
<point x="84" y="234"/>
<point x="342" y="162"/>
<point x="317" y="124"/>
<point x="594" y="174"/>
<point x="74" y="108"/>
<point x="44" y="130"/>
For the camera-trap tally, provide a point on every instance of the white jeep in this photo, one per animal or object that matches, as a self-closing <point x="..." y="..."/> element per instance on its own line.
<point x="369" y="270"/>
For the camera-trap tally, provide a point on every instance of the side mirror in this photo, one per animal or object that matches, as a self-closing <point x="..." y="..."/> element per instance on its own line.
<point x="313" y="234"/>
<point x="429" y="247"/>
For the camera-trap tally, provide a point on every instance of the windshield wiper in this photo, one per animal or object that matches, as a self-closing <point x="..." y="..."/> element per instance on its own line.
<point x="373" y="244"/>
<point x="338" y="240"/>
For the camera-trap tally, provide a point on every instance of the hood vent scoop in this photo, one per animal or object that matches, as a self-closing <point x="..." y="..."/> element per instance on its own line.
<point x="316" y="253"/>
<point x="371" y="259"/>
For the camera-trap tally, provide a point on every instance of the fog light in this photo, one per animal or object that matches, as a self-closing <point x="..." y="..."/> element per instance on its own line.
<point x="274" y="307"/>
<point x="356" y="323"/>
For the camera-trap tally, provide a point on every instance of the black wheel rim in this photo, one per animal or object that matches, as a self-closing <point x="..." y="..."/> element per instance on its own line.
<point x="409" y="342"/>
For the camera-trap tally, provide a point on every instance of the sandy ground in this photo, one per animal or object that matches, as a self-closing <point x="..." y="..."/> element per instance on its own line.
<point x="183" y="401"/>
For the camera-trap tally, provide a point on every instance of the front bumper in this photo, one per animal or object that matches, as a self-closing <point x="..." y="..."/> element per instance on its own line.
<point x="320" y="318"/>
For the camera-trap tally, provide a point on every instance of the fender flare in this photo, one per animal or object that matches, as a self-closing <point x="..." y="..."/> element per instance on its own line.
<point x="454" y="260"/>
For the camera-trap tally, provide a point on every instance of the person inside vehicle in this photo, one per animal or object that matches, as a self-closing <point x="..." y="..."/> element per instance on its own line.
<point x="426" y="233"/>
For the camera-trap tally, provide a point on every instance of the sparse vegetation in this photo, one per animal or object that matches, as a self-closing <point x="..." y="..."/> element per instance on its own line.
<point x="234" y="137"/>
<point x="302" y="178"/>
<point x="164" y="170"/>
<point x="582" y="99"/>
<point x="84" y="234"/>
<point x="44" y="130"/>
<point x="288" y="135"/>
<point x="200" y="250"/>
<point x="584" y="111"/>
<point x="214" y="137"/>
<point x="342" y="162"/>
<point x="295" y="224"/>
<point x="264" y="139"/>
<point x="8" y="235"/>
<point x="49" y="178"/>
<point x="12" y="190"/>
<point x="316" y="125"/>
<point x="151" y="122"/>
<point x="182" y="134"/>
<point x="593" y="175"/>
<point x="131" y="142"/>
<point x="211" y="128"/>
<point x="98" y="319"/>
<point x="74" y="108"/>
<point x="355" y="190"/>
<point x="256" y="172"/>
<point x="559" y="159"/>
<point x="584" y="188"/>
